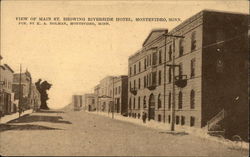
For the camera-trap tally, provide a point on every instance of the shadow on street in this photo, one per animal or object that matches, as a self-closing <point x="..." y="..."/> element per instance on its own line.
<point x="174" y="133"/>
<point x="39" y="118"/>
<point x="6" y="127"/>
<point x="49" y="111"/>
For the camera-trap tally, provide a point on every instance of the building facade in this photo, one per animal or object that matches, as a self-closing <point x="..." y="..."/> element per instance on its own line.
<point x="6" y="94"/>
<point x="121" y="94"/>
<point x="35" y="99"/>
<point x="24" y="91"/>
<point x="90" y="102"/>
<point x="207" y="54"/>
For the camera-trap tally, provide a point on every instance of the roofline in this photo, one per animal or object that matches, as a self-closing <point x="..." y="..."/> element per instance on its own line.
<point x="8" y="67"/>
<point x="152" y="31"/>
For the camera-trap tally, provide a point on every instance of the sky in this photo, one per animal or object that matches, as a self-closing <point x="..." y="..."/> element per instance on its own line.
<point x="75" y="58"/>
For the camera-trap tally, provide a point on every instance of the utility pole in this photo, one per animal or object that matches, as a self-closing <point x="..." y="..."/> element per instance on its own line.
<point x="113" y="104"/>
<point x="172" y="67"/>
<point x="20" y="92"/>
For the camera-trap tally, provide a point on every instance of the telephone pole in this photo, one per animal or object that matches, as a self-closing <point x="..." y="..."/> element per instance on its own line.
<point x="172" y="67"/>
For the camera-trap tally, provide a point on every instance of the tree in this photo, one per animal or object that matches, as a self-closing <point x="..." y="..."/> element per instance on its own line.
<point x="42" y="87"/>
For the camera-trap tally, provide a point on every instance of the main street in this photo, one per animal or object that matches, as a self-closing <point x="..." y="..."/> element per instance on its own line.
<point x="84" y="134"/>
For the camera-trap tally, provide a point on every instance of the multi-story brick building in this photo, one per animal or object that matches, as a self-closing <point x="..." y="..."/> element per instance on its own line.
<point x="6" y="94"/>
<point x="210" y="54"/>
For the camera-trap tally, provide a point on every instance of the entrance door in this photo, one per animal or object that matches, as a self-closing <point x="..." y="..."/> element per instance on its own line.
<point x="151" y="107"/>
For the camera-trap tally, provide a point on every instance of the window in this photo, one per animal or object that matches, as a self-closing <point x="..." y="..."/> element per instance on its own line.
<point x="145" y="82"/>
<point x="192" y="121"/>
<point x="129" y="103"/>
<point x="192" y="74"/>
<point x="181" y="47"/>
<point x="134" y="84"/>
<point x="182" y="120"/>
<point x="180" y="69"/>
<point x="159" y="78"/>
<point x="134" y="69"/>
<point x="139" y="103"/>
<point x="159" y="101"/>
<point x="159" y="117"/>
<point x="130" y="71"/>
<point x="150" y="60"/>
<point x="169" y="75"/>
<point x="169" y="118"/>
<point x="177" y="120"/>
<point x="144" y="102"/>
<point x="193" y="41"/>
<point x="165" y="56"/>
<point x="154" y="78"/>
<point x="139" y="66"/>
<point x="154" y="58"/>
<point x="139" y="83"/>
<point x="130" y="86"/>
<point x="160" y="56"/>
<point x="169" y="100"/>
<point x="180" y="100"/>
<point x="134" y="104"/>
<point x="119" y="89"/>
<point x="145" y="65"/>
<point x="170" y="53"/>
<point x="192" y="99"/>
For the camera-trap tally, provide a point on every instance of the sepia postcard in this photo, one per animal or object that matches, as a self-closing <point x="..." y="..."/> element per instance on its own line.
<point x="124" y="78"/>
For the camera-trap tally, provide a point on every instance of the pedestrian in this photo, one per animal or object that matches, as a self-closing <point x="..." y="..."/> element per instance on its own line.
<point x="144" y="117"/>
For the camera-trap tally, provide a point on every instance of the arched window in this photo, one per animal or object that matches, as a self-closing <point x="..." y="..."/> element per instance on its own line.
<point x="180" y="100"/>
<point x="181" y="47"/>
<point x="192" y="99"/>
<point x="169" y="100"/>
<point x="193" y="41"/>
<point x="139" y="103"/>
<point x="159" y="101"/>
<point x="144" y="102"/>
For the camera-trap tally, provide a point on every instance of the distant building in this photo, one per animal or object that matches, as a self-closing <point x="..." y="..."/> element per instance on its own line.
<point x="90" y="101"/>
<point x="77" y="102"/>
<point x="6" y="94"/>
<point x="211" y="72"/>
<point x="25" y="89"/>
<point x="35" y="99"/>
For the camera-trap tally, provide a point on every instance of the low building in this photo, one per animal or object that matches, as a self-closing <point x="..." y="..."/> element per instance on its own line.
<point x="6" y="94"/>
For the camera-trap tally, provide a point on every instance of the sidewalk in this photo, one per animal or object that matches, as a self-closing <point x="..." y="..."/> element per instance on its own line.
<point x="202" y="133"/>
<point x="13" y="116"/>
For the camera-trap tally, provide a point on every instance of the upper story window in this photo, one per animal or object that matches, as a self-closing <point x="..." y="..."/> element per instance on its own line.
<point x="192" y="99"/>
<point x="160" y="57"/>
<point x="134" y="104"/>
<point x="139" y="83"/>
<point x="154" y="78"/>
<point x="145" y="82"/>
<point x="145" y="63"/>
<point x="169" y="100"/>
<point x="154" y="58"/>
<point x="139" y="103"/>
<point x="130" y="71"/>
<point x="180" y="69"/>
<point x="159" y="77"/>
<point x="180" y="100"/>
<point x="159" y="101"/>
<point x="170" y="53"/>
<point x="169" y="75"/>
<point x="134" y="69"/>
<point x="181" y="47"/>
<point x="193" y="41"/>
<point x="134" y="84"/>
<point x="144" y="102"/>
<point x="129" y="106"/>
<point x="139" y="66"/>
<point x="192" y="70"/>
